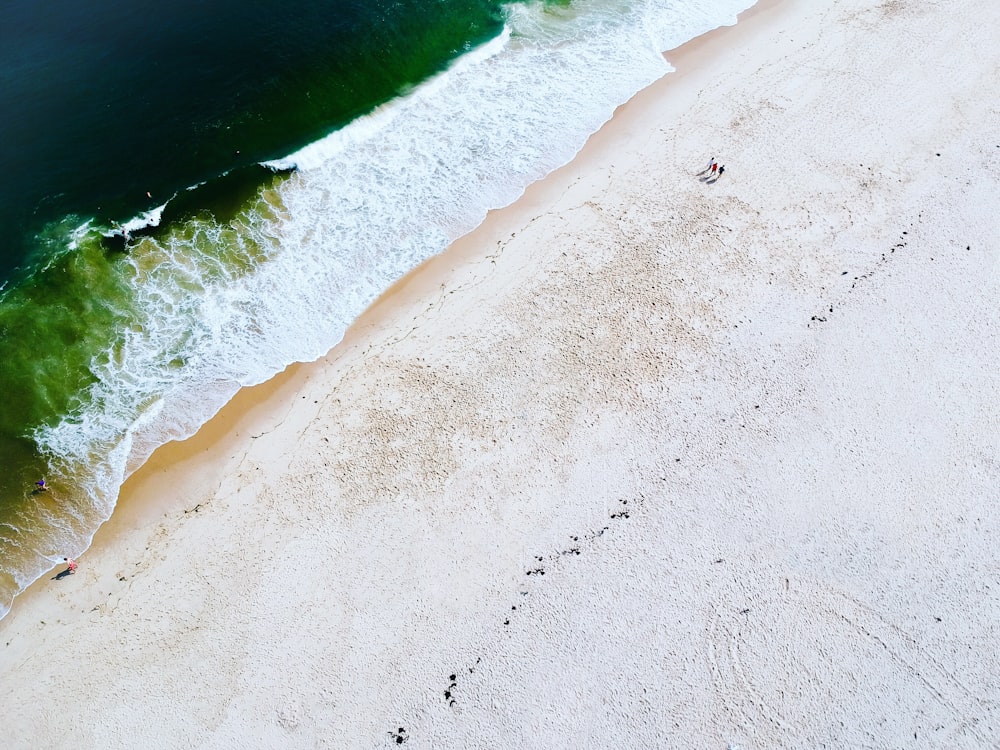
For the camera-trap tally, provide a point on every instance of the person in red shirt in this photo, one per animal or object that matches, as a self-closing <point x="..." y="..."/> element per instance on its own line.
<point x="70" y="569"/>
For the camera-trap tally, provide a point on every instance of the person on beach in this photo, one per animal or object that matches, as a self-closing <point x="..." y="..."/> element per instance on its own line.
<point x="41" y="486"/>
<point x="714" y="167"/>
<point x="711" y="163"/>
<point x="70" y="568"/>
<point x="722" y="169"/>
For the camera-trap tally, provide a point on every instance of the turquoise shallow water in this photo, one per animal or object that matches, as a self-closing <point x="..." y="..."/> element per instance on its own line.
<point x="195" y="195"/>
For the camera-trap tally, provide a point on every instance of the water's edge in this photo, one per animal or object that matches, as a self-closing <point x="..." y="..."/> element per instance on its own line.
<point x="314" y="157"/>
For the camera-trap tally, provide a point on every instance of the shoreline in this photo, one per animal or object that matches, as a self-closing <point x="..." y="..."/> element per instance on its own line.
<point x="742" y="428"/>
<point x="414" y="287"/>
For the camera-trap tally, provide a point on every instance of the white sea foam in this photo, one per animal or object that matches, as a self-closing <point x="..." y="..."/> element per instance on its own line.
<point x="367" y="204"/>
<point x="150" y="218"/>
<point x="368" y="126"/>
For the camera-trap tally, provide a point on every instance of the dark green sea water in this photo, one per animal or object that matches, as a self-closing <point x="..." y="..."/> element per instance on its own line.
<point x="111" y="108"/>
<point x="194" y="195"/>
<point x="105" y="101"/>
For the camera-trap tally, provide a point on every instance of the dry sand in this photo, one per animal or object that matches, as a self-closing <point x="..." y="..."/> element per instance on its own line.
<point x="643" y="462"/>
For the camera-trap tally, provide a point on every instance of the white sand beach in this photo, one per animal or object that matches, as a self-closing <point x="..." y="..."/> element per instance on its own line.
<point x="645" y="461"/>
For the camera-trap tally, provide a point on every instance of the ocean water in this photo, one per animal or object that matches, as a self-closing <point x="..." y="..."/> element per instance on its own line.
<point x="194" y="195"/>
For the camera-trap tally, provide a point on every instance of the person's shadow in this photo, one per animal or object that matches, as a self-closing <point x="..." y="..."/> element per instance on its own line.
<point x="62" y="575"/>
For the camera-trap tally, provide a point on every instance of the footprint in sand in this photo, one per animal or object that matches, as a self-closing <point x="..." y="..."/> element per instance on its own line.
<point x="801" y="648"/>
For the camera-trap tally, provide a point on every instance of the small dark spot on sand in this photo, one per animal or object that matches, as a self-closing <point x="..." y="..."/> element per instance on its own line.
<point x="453" y="677"/>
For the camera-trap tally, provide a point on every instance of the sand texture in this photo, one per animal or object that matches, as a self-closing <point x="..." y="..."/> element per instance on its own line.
<point x="647" y="461"/>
